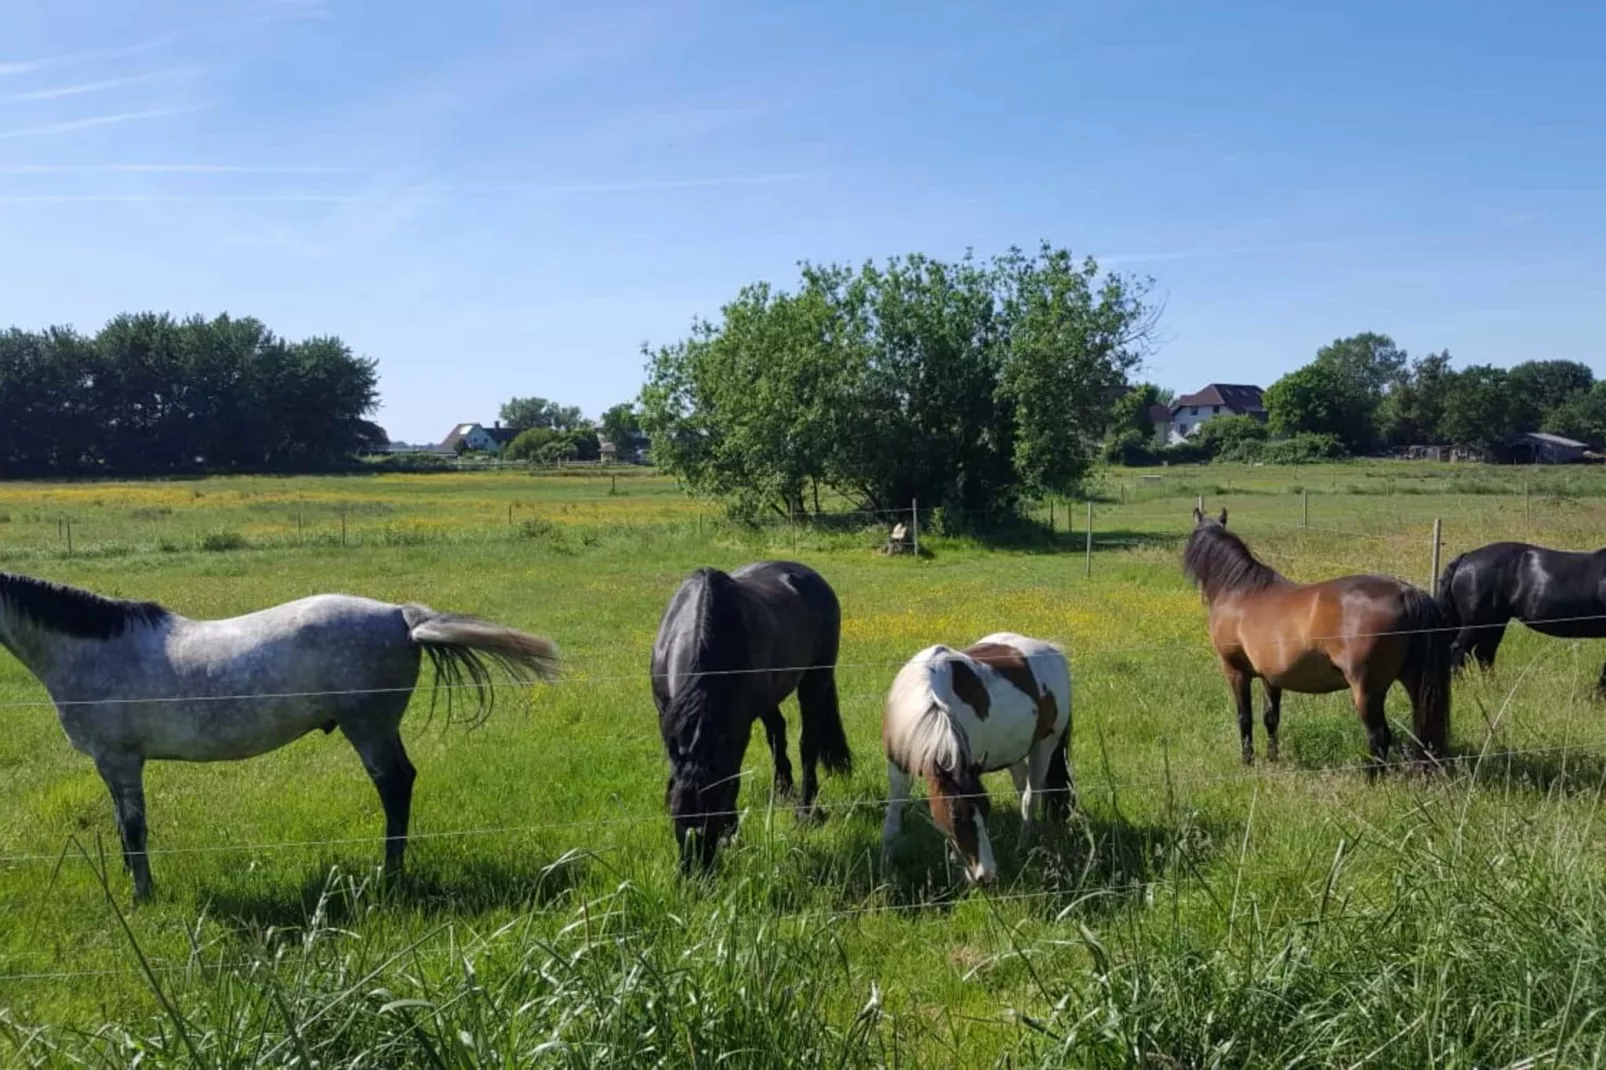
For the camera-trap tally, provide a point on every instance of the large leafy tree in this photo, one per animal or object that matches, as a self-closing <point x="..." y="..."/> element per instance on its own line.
<point x="1340" y="392"/>
<point x="1582" y="416"/>
<point x="957" y="384"/>
<point x="150" y="393"/>
<point x="1317" y="400"/>
<point x="1540" y="387"/>
<point x="1477" y="407"/>
<point x="620" y="424"/>
<point x="1412" y="410"/>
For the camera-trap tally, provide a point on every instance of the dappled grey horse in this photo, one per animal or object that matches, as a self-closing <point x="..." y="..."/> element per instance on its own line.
<point x="132" y="681"/>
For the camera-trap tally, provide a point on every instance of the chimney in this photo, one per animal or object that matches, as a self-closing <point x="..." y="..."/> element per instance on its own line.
<point x="497" y="425"/>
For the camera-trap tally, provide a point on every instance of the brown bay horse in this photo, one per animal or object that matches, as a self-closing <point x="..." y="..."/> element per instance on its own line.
<point x="1360" y="633"/>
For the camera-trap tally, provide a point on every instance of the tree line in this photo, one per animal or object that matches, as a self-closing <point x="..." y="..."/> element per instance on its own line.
<point x="548" y="432"/>
<point x="1364" y="395"/>
<point x="964" y="385"/>
<point x="150" y="394"/>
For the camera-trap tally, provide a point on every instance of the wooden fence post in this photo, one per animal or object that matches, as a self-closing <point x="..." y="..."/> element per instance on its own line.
<point x="1433" y="580"/>
<point x="69" y="536"/>
<point x="342" y="529"/>
<point x="914" y="525"/>
<point x="1304" y="508"/>
<point x="1088" y="570"/>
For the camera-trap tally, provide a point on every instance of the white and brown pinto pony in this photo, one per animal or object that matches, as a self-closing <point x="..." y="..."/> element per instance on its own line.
<point x="954" y="715"/>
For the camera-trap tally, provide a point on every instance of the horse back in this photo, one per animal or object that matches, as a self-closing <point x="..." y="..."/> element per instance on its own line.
<point x="1536" y="584"/>
<point x="1313" y="637"/>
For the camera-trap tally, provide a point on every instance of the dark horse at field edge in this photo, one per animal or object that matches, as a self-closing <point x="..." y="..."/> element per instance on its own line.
<point x="731" y="647"/>
<point x="1560" y="593"/>
<point x="1360" y="633"/>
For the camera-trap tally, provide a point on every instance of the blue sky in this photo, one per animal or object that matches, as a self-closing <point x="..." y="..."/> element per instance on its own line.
<point x="498" y="199"/>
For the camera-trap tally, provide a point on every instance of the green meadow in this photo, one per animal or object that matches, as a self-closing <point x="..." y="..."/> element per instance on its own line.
<point x="1194" y="912"/>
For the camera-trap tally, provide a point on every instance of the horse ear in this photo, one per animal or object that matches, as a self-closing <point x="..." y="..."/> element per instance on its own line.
<point x="1223" y="516"/>
<point x="1198" y="515"/>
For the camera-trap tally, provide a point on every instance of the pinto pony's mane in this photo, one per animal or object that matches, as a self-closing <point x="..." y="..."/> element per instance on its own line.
<point x="919" y="735"/>
<point x="718" y="654"/>
<point x="1219" y="562"/>
<point x="73" y="611"/>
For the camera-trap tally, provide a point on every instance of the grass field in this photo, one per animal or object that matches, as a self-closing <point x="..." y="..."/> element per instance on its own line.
<point x="1195" y="913"/>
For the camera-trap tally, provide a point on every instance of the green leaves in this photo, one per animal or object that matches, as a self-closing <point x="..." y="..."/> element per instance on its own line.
<point x="152" y="394"/>
<point x="959" y="384"/>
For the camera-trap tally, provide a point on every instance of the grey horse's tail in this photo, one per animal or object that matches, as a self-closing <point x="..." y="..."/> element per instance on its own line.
<point x="463" y="649"/>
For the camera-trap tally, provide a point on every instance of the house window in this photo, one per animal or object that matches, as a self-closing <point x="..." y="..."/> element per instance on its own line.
<point x="1194" y="411"/>
<point x="1215" y="409"/>
<point x="1182" y="429"/>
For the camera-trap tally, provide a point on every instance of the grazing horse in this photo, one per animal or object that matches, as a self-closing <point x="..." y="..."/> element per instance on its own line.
<point x="1357" y="632"/>
<point x="1561" y="593"/>
<point x="134" y="682"/>
<point x="953" y="715"/>
<point x="730" y="648"/>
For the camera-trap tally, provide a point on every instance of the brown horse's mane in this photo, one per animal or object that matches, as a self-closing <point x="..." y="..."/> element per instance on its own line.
<point x="1219" y="562"/>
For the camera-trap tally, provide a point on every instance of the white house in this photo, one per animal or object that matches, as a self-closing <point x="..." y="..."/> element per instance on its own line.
<point x="478" y="439"/>
<point x="1217" y="399"/>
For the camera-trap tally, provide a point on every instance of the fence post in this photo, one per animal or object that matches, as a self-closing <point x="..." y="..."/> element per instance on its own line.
<point x="1088" y="570"/>
<point x="342" y="529"/>
<point x="1201" y="503"/>
<point x="1527" y="510"/>
<point x="1051" y="520"/>
<point x="1433" y="580"/>
<point x="1304" y="508"/>
<point x="914" y="524"/>
<point x="69" y="536"/>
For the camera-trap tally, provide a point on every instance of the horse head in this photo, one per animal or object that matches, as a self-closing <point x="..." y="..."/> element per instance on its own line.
<point x="702" y="805"/>
<point x="959" y="807"/>
<point x="1200" y="518"/>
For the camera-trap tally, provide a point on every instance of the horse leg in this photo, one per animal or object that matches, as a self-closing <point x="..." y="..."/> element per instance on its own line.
<point x="898" y="783"/>
<point x="1036" y="776"/>
<point x="1600" y="685"/>
<point x="1483" y="643"/>
<point x="775" y="732"/>
<point x="1241" y="682"/>
<point x="124" y="775"/>
<point x="1370" y="705"/>
<point x="1273" y="717"/>
<point x="385" y="759"/>
<point x="820" y="735"/>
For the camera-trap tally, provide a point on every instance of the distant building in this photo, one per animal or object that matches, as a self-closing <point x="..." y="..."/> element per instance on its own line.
<point x="635" y="451"/>
<point x="477" y="438"/>
<point x="1540" y="447"/>
<point x="1218" y="399"/>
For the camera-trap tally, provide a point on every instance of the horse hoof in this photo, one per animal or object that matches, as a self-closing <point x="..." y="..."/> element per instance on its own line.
<point x="784" y="788"/>
<point x="810" y="815"/>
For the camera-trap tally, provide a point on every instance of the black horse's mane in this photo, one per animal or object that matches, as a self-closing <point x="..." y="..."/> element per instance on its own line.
<point x="1219" y="561"/>
<point x="719" y="654"/>
<point x="74" y="611"/>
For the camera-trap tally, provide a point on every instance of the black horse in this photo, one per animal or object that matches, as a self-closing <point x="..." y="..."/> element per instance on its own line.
<point x="1560" y="593"/>
<point x="730" y="648"/>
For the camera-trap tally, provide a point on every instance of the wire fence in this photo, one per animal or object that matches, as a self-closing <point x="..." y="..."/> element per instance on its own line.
<point x="657" y="817"/>
<point x="597" y="923"/>
<point x="589" y="679"/>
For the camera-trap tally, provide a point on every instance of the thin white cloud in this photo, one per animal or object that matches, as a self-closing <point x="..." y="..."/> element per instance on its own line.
<point x="1316" y="245"/>
<point x="28" y="66"/>
<point x="652" y="185"/>
<point x="81" y="88"/>
<point x="93" y="121"/>
<point x="185" y="198"/>
<point x="174" y="169"/>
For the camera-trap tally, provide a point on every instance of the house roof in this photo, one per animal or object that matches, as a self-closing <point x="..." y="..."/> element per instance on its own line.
<point x="1159" y="413"/>
<point x="1553" y="440"/>
<point x="500" y="435"/>
<point x="1238" y="398"/>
